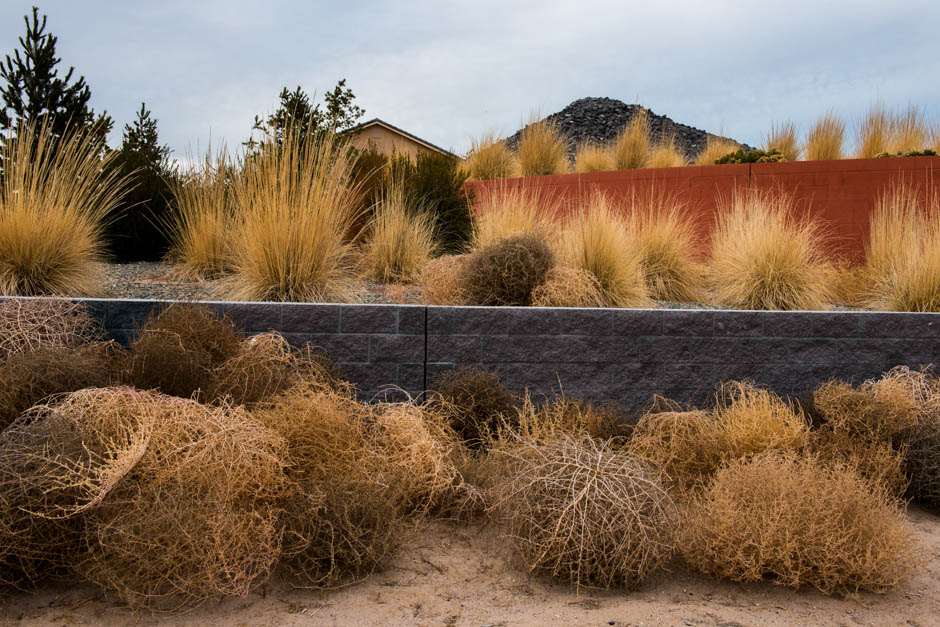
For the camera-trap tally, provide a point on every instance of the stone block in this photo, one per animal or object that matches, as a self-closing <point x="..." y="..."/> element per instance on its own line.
<point x="310" y="318"/>
<point x="369" y="319"/>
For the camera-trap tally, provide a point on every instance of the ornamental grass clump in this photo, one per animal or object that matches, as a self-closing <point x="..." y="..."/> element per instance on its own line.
<point x="902" y="265"/>
<point x="489" y="158"/>
<point x="400" y="239"/>
<point x="783" y="139"/>
<point x="505" y="211"/>
<point x="825" y="139"/>
<point x="598" y="241"/>
<point x="580" y="511"/>
<point x="201" y="224"/>
<point x="764" y="257"/>
<point x="911" y="133"/>
<point x="506" y="273"/>
<point x="798" y="522"/>
<point x="542" y="149"/>
<point x="56" y="195"/>
<point x="591" y="157"/>
<point x="875" y="133"/>
<point x="295" y="202"/>
<point x="664" y="154"/>
<point x="715" y="149"/>
<point x="631" y="150"/>
<point x="668" y="245"/>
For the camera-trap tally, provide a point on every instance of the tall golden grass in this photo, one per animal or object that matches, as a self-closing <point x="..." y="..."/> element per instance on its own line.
<point x="668" y="245"/>
<point x="201" y="225"/>
<point x="902" y="264"/>
<point x="542" y="149"/>
<point x="824" y="141"/>
<point x="591" y="157"/>
<point x="910" y="131"/>
<point x="783" y="138"/>
<point x="632" y="148"/>
<point x="489" y="158"/>
<point x="764" y="257"/>
<point x="665" y="154"/>
<point x="598" y="241"/>
<point x="874" y="133"/>
<point x="504" y="211"/>
<point x="715" y="148"/>
<point x="56" y="194"/>
<point x="401" y="237"/>
<point x="295" y="202"/>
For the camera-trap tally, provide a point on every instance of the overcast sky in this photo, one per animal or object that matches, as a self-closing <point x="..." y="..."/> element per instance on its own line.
<point x="451" y="71"/>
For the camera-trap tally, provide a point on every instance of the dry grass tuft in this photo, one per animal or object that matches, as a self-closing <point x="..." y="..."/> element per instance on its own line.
<point x="582" y="512"/>
<point x="763" y="257"/>
<point x="911" y="133"/>
<point x="475" y="403"/>
<point x="783" y="138"/>
<point x="715" y="148"/>
<point x="590" y="157"/>
<point x="506" y="273"/>
<point x="902" y="264"/>
<point x="28" y="324"/>
<point x="295" y="203"/>
<point x="568" y="287"/>
<point x="668" y="245"/>
<point x="562" y="416"/>
<point x="875" y="133"/>
<point x="174" y="502"/>
<point x="201" y="226"/>
<point x="56" y="194"/>
<point x="401" y="237"/>
<point x="177" y="350"/>
<point x="542" y="149"/>
<point x="632" y="148"/>
<point x="599" y="242"/>
<point x="825" y="140"/>
<point x="442" y="280"/>
<point x="800" y="522"/>
<point x="505" y="211"/>
<point x="489" y="158"/>
<point x="665" y="154"/>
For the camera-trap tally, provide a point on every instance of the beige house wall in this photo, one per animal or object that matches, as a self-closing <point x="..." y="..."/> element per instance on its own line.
<point x="388" y="142"/>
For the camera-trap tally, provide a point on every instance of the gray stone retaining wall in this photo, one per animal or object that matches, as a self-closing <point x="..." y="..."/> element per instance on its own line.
<point x="625" y="355"/>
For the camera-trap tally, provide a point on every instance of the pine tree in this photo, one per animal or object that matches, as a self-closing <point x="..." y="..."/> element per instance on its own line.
<point x="34" y="91"/>
<point x="138" y="231"/>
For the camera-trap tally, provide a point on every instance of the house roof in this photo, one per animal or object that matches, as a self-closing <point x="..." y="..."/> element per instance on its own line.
<point x="395" y="129"/>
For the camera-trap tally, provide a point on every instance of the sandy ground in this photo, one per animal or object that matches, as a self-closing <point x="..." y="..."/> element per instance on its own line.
<point x="463" y="576"/>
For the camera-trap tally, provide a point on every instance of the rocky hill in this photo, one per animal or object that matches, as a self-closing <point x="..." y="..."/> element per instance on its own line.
<point x="600" y="120"/>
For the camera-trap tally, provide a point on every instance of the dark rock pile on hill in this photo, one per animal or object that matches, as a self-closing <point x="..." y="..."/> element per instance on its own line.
<point x="600" y="120"/>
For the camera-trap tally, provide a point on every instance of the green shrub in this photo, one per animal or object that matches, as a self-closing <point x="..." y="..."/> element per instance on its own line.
<point x="507" y="272"/>
<point x="751" y="156"/>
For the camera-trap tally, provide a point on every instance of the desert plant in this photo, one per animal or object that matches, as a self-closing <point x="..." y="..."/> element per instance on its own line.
<point x="508" y="210"/>
<point x="783" y="139"/>
<point x="752" y="420"/>
<point x="667" y="242"/>
<point x="542" y="149"/>
<point x="911" y="133"/>
<point x="922" y="461"/>
<point x="203" y="216"/>
<point x="590" y="157"/>
<point x="442" y="280"/>
<point x="29" y="324"/>
<point x="825" y="138"/>
<point x="664" y="154"/>
<point x="715" y="149"/>
<point x="56" y="194"/>
<point x="799" y="522"/>
<point x="875" y="133"/>
<point x="475" y="403"/>
<point x="598" y="241"/>
<point x="751" y="156"/>
<point x="401" y="237"/>
<point x="631" y="150"/>
<point x="568" y="287"/>
<point x="584" y="513"/>
<point x="901" y="268"/>
<point x="764" y="257"/>
<point x="294" y="203"/>
<point x="489" y="158"/>
<point x="507" y="272"/>
<point x="560" y="416"/>
<point x="178" y="349"/>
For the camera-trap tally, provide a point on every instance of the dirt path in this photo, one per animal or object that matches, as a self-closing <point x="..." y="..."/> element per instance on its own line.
<point x="463" y="576"/>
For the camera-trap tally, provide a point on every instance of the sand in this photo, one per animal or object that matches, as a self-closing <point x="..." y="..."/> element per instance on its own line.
<point x="462" y="575"/>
